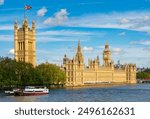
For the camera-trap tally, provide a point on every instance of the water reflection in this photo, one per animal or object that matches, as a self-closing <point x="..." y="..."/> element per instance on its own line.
<point x="25" y="98"/>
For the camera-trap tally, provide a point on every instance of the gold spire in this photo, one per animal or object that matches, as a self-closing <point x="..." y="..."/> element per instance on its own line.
<point x="25" y="22"/>
<point x="33" y="24"/>
<point x="79" y="56"/>
<point x="107" y="44"/>
<point x="79" y="47"/>
<point x="15" y="23"/>
<point x="15" y="20"/>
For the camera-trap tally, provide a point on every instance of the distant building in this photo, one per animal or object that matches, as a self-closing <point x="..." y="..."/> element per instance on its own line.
<point x="25" y="43"/>
<point x="78" y="74"/>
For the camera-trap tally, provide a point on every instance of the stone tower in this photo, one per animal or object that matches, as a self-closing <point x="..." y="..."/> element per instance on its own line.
<point x="79" y="66"/>
<point x="25" y="43"/>
<point x="107" y="56"/>
<point x="74" y="68"/>
<point x="130" y="73"/>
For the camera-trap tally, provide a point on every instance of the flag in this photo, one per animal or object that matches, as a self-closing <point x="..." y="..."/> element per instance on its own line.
<point x="27" y="7"/>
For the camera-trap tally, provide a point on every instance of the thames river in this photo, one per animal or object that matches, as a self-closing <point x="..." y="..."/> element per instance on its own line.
<point x="127" y="93"/>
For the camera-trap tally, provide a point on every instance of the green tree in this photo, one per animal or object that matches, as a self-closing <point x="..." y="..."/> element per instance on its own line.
<point x="143" y="75"/>
<point x="51" y="74"/>
<point x="14" y="74"/>
<point x="7" y="73"/>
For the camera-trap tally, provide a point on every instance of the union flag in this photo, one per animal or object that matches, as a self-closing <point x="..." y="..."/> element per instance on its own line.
<point x="27" y="7"/>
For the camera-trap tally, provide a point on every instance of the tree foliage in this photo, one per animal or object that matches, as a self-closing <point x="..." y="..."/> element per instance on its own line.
<point x="51" y="74"/>
<point x="14" y="74"/>
<point x="143" y="75"/>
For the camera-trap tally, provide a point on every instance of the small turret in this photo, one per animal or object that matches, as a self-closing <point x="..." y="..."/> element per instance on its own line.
<point x="15" y="24"/>
<point x="98" y="60"/>
<point x="33" y="25"/>
<point x="25" y="23"/>
<point x="65" y="59"/>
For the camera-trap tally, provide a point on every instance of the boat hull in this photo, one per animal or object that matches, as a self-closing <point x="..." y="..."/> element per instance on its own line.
<point x="29" y="93"/>
<point x="34" y="93"/>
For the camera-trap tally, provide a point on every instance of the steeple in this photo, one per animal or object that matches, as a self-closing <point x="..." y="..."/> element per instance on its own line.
<point x="79" y="56"/>
<point x="25" y="23"/>
<point x="15" y="24"/>
<point x="33" y="24"/>
<point x="98" y="61"/>
<point x="79" y="47"/>
<point x="107" y="45"/>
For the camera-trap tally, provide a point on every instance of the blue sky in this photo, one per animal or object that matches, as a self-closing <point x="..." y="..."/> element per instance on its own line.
<point x="125" y="24"/>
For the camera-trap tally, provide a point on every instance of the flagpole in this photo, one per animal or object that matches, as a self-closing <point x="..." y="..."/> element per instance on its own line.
<point x="24" y="9"/>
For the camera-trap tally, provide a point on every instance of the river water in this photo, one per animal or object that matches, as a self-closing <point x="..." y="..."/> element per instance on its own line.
<point x="127" y="93"/>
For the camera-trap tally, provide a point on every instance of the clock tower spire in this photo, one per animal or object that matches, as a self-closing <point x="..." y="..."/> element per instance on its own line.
<point x="107" y="56"/>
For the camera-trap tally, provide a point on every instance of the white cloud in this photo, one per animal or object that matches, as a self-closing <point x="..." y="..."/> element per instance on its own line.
<point x="117" y="51"/>
<point x="124" y="20"/>
<point x="141" y="42"/>
<point x="147" y="49"/>
<point x="134" y="55"/>
<point x="11" y="52"/>
<point x="101" y="47"/>
<point x="54" y="39"/>
<point x="58" y="60"/>
<point x="135" y="20"/>
<point x="58" y="39"/>
<point x="146" y="18"/>
<point x="42" y="12"/>
<point x="6" y="37"/>
<point x="88" y="49"/>
<point x="59" y="18"/>
<point x="122" y="34"/>
<point x="6" y="27"/>
<point x="65" y="33"/>
<point x="1" y="2"/>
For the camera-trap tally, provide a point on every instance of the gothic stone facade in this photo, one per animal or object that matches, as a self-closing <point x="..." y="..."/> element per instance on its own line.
<point x="25" y="43"/>
<point x="95" y="73"/>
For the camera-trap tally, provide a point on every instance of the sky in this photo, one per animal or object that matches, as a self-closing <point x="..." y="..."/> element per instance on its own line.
<point x="125" y="24"/>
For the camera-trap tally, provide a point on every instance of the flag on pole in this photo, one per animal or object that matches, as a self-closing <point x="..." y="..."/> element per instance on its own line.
<point x="27" y="7"/>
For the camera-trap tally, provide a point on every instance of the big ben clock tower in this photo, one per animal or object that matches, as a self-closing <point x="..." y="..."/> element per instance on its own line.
<point x="106" y="56"/>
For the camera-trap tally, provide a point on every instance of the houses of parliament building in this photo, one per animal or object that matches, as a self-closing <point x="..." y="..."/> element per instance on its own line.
<point x="76" y="72"/>
<point x="96" y="73"/>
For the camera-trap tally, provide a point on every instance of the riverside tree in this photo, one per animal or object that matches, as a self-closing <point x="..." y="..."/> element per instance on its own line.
<point x="16" y="74"/>
<point x="51" y="74"/>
